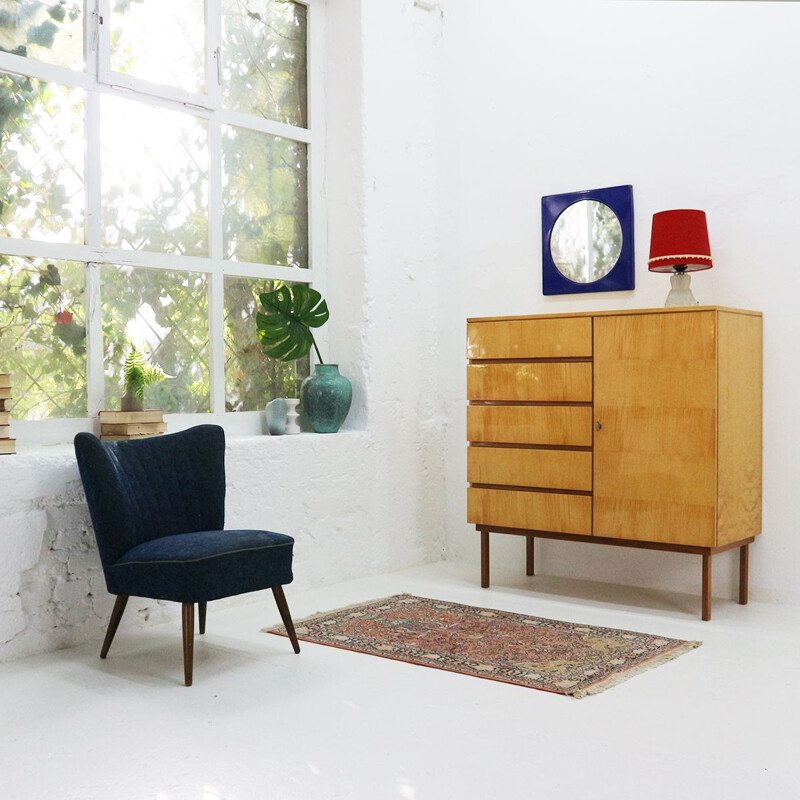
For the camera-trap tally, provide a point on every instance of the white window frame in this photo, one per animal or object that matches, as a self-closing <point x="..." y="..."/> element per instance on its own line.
<point x="97" y="82"/>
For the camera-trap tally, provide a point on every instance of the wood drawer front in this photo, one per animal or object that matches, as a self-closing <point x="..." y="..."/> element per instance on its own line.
<point x="543" y="469"/>
<point x="554" y="425"/>
<point x="544" y="511"/>
<point x="553" y="381"/>
<point x="561" y="337"/>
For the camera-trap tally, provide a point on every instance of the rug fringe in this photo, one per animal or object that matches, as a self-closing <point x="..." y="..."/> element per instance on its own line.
<point x="615" y="680"/>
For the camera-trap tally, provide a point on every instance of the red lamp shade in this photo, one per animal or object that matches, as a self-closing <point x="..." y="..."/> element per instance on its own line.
<point x="679" y="238"/>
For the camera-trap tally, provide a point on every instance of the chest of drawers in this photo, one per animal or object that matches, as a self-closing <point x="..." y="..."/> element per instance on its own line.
<point x="633" y="428"/>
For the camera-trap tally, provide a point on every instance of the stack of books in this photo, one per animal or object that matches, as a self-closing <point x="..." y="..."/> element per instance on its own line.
<point x="122" y="426"/>
<point x="7" y="444"/>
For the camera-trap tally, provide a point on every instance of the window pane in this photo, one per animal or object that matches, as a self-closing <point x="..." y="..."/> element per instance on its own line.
<point x="154" y="178"/>
<point x="264" y="59"/>
<point x="264" y="198"/>
<point x="252" y="379"/>
<point x="166" y="312"/>
<point x="41" y="160"/>
<point x="47" y="31"/>
<point x="43" y="336"/>
<point x="158" y="41"/>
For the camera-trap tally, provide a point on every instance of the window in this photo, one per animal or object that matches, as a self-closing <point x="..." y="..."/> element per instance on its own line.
<point x="159" y="169"/>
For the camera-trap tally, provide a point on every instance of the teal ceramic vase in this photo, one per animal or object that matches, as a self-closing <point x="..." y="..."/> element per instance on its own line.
<point x="326" y="397"/>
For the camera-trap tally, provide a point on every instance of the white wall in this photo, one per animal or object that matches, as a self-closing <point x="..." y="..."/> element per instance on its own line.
<point x="359" y="502"/>
<point x="696" y="105"/>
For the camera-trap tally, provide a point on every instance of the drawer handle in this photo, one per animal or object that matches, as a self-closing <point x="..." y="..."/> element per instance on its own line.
<point x="598" y="426"/>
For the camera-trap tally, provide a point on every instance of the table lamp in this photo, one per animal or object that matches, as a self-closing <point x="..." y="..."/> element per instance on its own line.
<point x="679" y="244"/>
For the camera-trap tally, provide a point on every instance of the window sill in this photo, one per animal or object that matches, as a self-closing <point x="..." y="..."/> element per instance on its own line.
<point x="233" y="441"/>
<point x="36" y="435"/>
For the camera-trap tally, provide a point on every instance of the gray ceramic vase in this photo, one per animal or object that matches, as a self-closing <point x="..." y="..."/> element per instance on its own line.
<point x="276" y="416"/>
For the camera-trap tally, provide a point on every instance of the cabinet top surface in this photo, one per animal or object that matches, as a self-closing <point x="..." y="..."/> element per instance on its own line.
<point x="619" y="312"/>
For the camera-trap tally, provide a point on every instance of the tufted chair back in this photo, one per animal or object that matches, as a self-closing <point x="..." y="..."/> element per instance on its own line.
<point x="142" y="490"/>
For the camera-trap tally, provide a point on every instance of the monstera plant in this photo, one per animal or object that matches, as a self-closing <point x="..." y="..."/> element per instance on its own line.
<point x="284" y="329"/>
<point x="290" y="313"/>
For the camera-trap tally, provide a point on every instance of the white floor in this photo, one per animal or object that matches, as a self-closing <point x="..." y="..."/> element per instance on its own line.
<point x="261" y="722"/>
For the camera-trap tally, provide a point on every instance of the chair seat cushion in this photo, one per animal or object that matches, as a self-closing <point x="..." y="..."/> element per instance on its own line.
<point x="204" y="565"/>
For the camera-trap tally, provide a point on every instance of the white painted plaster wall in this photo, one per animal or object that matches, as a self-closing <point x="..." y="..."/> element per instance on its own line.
<point x="359" y="502"/>
<point x="696" y="105"/>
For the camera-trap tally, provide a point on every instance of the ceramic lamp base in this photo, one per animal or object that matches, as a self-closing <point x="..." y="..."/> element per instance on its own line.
<point x="681" y="292"/>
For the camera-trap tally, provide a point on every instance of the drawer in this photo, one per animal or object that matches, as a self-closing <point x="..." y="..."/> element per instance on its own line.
<point x="559" y="337"/>
<point x="541" y="511"/>
<point x="554" y="381"/>
<point x="543" y="469"/>
<point x="555" y="425"/>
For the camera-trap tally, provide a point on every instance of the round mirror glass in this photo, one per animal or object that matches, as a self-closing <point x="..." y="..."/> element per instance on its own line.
<point x="586" y="241"/>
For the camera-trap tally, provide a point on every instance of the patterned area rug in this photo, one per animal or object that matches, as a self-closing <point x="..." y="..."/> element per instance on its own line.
<point x="561" y="657"/>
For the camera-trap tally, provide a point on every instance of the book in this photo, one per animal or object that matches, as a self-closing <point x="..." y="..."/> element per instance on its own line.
<point x="8" y="446"/>
<point x="125" y="417"/>
<point x="5" y="431"/>
<point x="5" y="417"/>
<point x="5" y="380"/>
<point x="132" y="428"/>
<point x="5" y="393"/>
<point x="2" y="405"/>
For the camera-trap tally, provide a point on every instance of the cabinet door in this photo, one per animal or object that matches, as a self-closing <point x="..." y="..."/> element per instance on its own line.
<point x="655" y="427"/>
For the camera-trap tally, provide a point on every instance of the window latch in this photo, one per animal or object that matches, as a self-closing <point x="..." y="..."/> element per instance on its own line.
<point x="218" y="59"/>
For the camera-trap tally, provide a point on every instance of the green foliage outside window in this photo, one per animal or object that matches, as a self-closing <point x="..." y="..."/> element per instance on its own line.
<point x="43" y="336"/>
<point x="165" y="311"/>
<point x="265" y="219"/>
<point x="41" y="160"/>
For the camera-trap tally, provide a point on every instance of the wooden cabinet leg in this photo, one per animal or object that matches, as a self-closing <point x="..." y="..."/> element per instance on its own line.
<point x="485" y="559"/>
<point x="744" y="572"/>
<point x="529" y="556"/>
<point x="706" y="586"/>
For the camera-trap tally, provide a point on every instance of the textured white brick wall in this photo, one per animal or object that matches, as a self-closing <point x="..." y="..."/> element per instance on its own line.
<point x="349" y="515"/>
<point x="52" y="591"/>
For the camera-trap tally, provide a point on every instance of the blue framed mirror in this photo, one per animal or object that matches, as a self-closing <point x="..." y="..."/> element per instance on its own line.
<point x="587" y="241"/>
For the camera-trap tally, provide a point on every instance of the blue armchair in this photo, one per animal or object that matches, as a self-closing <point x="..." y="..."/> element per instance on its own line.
<point x="158" y="510"/>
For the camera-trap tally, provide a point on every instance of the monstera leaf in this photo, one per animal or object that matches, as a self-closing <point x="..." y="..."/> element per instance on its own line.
<point x="284" y="328"/>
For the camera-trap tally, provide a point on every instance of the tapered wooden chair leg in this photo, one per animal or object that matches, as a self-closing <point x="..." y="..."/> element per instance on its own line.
<point x="201" y="608"/>
<point x="283" y="607"/>
<point x="188" y="641"/>
<point x="113" y="623"/>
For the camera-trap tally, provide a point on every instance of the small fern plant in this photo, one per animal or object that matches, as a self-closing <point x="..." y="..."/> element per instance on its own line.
<point x="139" y="372"/>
